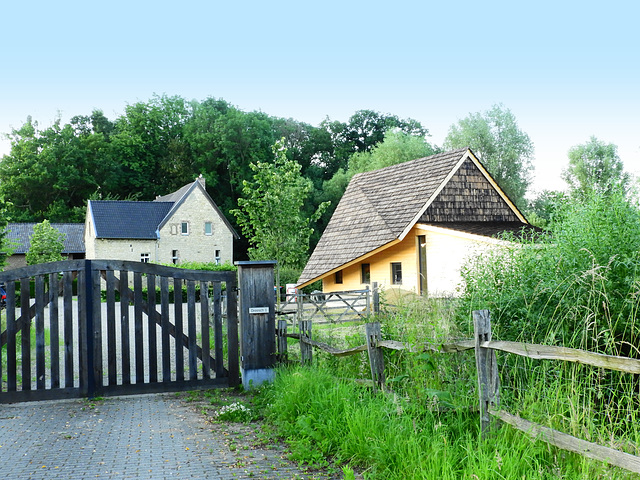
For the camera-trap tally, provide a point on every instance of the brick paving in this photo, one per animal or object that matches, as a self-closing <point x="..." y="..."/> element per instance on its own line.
<point x="141" y="437"/>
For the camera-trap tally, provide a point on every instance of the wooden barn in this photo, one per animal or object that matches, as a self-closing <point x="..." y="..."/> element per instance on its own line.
<point x="411" y="226"/>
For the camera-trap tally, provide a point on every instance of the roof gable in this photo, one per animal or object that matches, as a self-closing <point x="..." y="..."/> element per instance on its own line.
<point x="382" y="206"/>
<point x="20" y="234"/>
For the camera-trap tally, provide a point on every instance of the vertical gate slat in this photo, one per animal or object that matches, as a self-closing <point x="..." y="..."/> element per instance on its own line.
<point x="11" y="336"/>
<point x="232" y="333"/>
<point x="82" y="331"/>
<point x="217" y="328"/>
<point x="177" y="304"/>
<point x="204" y="325"/>
<point x="26" y="333"/>
<point x="54" y="334"/>
<point x="166" y="345"/>
<point x="67" y="306"/>
<point x="151" y="322"/>
<point x="124" y="327"/>
<point x="39" y="324"/>
<point x="111" y="328"/>
<point x="97" y="329"/>
<point x="139" y="340"/>
<point x="191" y="319"/>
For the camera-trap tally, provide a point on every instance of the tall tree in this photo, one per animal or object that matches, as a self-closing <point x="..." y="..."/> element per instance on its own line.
<point x="503" y="148"/>
<point x="270" y="213"/>
<point x="47" y="244"/>
<point x="595" y="168"/>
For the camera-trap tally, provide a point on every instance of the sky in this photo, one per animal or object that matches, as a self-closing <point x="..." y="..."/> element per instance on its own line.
<point x="567" y="70"/>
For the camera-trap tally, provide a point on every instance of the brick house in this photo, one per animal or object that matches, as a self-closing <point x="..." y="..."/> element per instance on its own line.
<point x="183" y="226"/>
<point x="411" y="226"/>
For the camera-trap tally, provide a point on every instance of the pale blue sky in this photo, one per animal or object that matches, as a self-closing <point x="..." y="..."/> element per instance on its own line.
<point x="567" y="70"/>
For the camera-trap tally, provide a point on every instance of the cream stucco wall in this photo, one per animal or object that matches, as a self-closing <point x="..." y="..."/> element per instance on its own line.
<point x="446" y="252"/>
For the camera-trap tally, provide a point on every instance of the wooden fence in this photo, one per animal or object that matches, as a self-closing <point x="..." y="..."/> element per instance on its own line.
<point x="487" y="374"/>
<point x="331" y="307"/>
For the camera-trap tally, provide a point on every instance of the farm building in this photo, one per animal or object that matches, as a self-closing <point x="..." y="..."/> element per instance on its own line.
<point x="411" y="226"/>
<point x="19" y="237"/>
<point x="184" y="226"/>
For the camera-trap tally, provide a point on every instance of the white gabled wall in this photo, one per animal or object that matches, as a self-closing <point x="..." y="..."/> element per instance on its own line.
<point x="196" y="246"/>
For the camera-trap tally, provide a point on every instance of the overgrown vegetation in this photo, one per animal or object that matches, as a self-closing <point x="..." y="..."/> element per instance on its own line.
<point x="576" y="286"/>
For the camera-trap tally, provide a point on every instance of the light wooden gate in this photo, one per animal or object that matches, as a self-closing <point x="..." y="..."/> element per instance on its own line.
<point x="104" y="327"/>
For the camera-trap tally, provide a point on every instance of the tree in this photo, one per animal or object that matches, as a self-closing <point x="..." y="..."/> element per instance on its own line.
<point x="595" y="168"/>
<point x="270" y="211"/>
<point x="504" y="149"/>
<point x="47" y="244"/>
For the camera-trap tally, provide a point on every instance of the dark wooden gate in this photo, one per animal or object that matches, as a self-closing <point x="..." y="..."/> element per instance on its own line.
<point x="106" y="327"/>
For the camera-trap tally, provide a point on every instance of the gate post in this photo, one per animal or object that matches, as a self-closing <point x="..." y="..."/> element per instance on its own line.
<point x="257" y="322"/>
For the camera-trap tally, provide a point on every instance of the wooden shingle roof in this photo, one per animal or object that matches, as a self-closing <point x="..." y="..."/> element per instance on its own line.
<point x="382" y="206"/>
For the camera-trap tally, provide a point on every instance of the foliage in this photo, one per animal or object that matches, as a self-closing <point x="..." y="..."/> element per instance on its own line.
<point x="270" y="210"/>
<point x="577" y="286"/>
<point x="47" y="244"/>
<point x="504" y="149"/>
<point x="210" y="266"/>
<point x="234" y="412"/>
<point x="595" y="168"/>
<point x="545" y="208"/>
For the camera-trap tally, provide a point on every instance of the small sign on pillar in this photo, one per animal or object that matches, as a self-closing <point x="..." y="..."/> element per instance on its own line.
<point x="257" y="315"/>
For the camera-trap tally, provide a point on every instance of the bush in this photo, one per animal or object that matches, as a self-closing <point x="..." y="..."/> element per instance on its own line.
<point x="577" y="286"/>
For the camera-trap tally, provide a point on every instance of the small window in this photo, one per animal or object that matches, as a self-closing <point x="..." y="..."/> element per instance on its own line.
<point x="184" y="228"/>
<point x="144" y="257"/>
<point x="365" y="273"/>
<point x="339" y="277"/>
<point x="207" y="228"/>
<point x="217" y="257"/>
<point x="175" y="257"/>
<point x="396" y="273"/>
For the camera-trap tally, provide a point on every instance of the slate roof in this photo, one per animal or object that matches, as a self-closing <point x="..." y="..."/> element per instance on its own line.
<point x="120" y="219"/>
<point x="20" y="235"/>
<point x="379" y="207"/>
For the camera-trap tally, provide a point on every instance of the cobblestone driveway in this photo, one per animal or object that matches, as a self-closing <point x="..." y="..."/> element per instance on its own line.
<point x="141" y="437"/>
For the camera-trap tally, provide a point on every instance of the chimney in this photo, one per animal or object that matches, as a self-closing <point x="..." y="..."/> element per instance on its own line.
<point x="202" y="181"/>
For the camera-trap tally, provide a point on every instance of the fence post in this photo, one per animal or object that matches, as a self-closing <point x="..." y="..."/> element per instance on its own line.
<point x="257" y="322"/>
<point x="488" y="380"/>
<point x="299" y="308"/>
<point x="368" y="302"/>
<point x="376" y="357"/>
<point x="281" y="333"/>
<point x="306" y="350"/>
<point x="376" y="298"/>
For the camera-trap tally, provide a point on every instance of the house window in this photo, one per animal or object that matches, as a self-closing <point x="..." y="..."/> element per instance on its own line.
<point x="175" y="257"/>
<point x="396" y="273"/>
<point x="217" y="257"/>
<point x="208" y="230"/>
<point x="184" y="228"/>
<point x="144" y="257"/>
<point x="365" y="271"/>
<point x="339" y="276"/>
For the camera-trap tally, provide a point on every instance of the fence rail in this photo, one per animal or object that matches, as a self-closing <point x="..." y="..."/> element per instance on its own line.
<point x="488" y="378"/>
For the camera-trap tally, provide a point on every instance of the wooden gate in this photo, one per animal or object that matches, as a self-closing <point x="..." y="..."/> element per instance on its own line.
<point x="106" y="327"/>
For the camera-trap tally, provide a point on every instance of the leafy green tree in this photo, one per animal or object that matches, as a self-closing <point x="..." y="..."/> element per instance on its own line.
<point x="595" y="168"/>
<point x="47" y="244"/>
<point x="546" y="207"/>
<point x="270" y="213"/>
<point x="504" y="149"/>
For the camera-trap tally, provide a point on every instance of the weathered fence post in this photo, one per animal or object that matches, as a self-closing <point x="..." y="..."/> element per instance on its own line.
<point x="376" y="357"/>
<point x="306" y="350"/>
<point x="281" y="333"/>
<point x="299" y="308"/>
<point x="257" y="322"/>
<point x="376" y="298"/>
<point x="368" y="302"/>
<point x="486" y="364"/>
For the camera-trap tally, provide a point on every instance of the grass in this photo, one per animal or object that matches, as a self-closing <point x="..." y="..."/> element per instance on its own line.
<point x="427" y="427"/>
